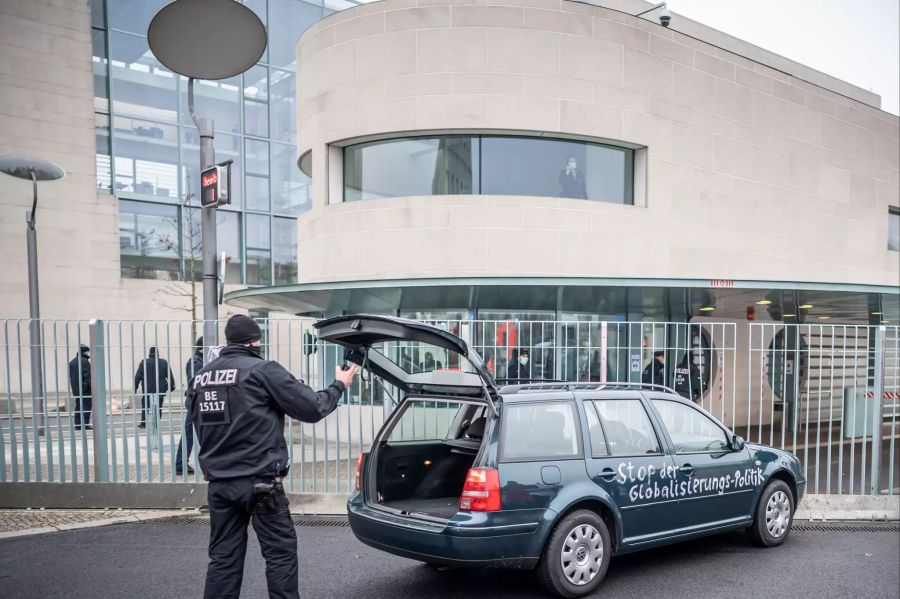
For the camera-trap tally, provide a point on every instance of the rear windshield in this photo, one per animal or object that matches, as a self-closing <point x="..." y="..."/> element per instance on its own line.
<point x="540" y="430"/>
<point x="415" y="356"/>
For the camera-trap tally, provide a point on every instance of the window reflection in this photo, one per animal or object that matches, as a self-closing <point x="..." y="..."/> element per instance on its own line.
<point x="291" y="189"/>
<point x="104" y="162"/>
<point x="133" y="15"/>
<point x="227" y="148"/>
<point x="146" y="161"/>
<point x="228" y="240"/>
<point x="420" y="166"/>
<point x="894" y="229"/>
<point x="288" y="19"/>
<point x="216" y="100"/>
<point x="148" y="240"/>
<point x="284" y="250"/>
<point x="284" y="115"/>
<point x="490" y="165"/>
<point x="259" y="255"/>
<point x="555" y="168"/>
<point x="100" y="67"/>
<point x="143" y="87"/>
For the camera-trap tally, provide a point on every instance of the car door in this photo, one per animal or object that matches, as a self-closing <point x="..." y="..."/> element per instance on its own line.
<point x="715" y="483"/>
<point x="627" y="461"/>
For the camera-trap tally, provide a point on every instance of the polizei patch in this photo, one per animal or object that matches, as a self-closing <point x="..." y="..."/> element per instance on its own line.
<point x="214" y="378"/>
<point x="212" y="403"/>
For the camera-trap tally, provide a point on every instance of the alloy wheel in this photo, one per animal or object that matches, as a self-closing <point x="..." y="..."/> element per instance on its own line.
<point x="778" y="514"/>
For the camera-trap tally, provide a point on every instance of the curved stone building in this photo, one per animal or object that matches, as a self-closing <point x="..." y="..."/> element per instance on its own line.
<point x="537" y="158"/>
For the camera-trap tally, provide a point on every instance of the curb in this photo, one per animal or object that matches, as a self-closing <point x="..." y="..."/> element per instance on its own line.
<point x="27" y="532"/>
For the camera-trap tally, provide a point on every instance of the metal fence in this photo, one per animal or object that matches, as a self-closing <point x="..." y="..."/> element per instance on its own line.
<point x="809" y="389"/>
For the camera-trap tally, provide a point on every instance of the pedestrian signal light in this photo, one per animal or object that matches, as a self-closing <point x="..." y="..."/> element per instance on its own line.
<point x="209" y="187"/>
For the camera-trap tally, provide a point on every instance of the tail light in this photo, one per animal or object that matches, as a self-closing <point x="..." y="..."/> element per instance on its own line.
<point x="359" y="462"/>
<point x="481" y="493"/>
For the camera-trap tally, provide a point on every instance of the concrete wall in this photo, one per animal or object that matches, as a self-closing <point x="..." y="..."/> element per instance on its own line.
<point x="753" y="173"/>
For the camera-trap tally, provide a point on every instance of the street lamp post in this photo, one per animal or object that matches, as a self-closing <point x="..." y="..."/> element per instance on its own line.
<point x="207" y="39"/>
<point x="33" y="169"/>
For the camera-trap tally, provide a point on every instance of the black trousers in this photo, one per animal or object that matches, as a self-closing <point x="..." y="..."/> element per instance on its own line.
<point x="232" y="505"/>
<point x="84" y="405"/>
<point x="187" y="442"/>
<point x="145" y="405"/>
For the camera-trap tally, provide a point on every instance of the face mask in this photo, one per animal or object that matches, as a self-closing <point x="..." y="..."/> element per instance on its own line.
<point x="523" y="360"/>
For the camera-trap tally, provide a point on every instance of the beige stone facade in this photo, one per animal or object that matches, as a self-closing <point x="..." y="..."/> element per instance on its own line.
<point x="758" y="168"/>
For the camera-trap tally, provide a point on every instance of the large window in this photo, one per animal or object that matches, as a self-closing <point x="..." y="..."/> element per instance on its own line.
<point x="894" y="229"/>
<point x="148" y="146"/>
<point x="148" y="240"/>
<point x="489" y="165"/>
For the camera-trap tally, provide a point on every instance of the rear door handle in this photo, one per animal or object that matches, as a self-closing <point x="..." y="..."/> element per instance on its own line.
<point x="608" y="474"/>
<point x="687" y="469"/>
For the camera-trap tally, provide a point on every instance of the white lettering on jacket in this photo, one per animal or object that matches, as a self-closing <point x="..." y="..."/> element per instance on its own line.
<point x="212" y="378"/>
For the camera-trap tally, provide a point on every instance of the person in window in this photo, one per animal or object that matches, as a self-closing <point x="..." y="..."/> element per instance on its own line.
<point x="655" y="372"/>
<point x="571" y="181"/>
<point x="518" y="370"/>
<point x="430" y="365"/>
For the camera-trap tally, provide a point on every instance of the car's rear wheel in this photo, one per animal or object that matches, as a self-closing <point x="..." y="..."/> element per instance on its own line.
<point x="577" y="555"/>
<point x="774" y="515"/>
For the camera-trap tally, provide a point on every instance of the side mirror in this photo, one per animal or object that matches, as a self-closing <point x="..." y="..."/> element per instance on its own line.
<point x="737" y="443"/>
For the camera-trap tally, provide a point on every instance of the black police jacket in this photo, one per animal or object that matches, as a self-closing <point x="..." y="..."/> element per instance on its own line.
<point x="238" y="403"/>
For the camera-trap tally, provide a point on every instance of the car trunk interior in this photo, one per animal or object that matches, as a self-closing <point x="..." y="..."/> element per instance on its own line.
<point x="427" y="477"/>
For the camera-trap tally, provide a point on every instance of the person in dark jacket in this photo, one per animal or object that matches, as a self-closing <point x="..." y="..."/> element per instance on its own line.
<point x="571" y="181"/>
<point x="517" y="369"/>
<point x="655" y="372"/>
<point x="80" y="384"/>
<point x="154" y="377"/>
<point x="238" y="403"/>
<point x="186" y="444"/>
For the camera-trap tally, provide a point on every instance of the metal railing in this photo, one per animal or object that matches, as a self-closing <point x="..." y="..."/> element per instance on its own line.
<point x="807" y="388"/>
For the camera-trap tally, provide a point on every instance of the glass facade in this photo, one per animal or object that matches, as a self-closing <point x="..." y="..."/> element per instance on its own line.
<point x="489" y="165"/>
<point x="148" y="146"/>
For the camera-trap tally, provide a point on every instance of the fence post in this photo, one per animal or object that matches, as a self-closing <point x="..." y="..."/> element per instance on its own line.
<point x="98" y="391"/>
<point x="878" y="411"/>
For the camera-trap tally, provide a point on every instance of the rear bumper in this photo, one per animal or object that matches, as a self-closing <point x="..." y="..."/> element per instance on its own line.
<point x="443" y="543"/>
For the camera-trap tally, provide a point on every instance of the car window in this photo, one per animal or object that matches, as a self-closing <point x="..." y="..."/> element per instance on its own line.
<point x="425" y="421"/>
<point x="540" y="430"/>
<point x="626" y="426"/>
<point x="598" y="439"/>
<point x="690" y="429"/>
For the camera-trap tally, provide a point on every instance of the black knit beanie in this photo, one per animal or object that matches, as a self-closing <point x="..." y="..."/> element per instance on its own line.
<point x="241" y="330"/>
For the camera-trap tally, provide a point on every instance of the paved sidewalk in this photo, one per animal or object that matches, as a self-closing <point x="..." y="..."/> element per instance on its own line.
<point x="14" y="523"/>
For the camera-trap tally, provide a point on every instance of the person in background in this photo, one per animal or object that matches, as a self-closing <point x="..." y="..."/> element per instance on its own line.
<point x="154" y="377"/>
<point x="571" y="181"/>
<point x="186" y="444"/>
<point x="655" y="372"/>
<point x="80" y="383"/>
<point x="430" y="364"/>
<point x="518" y="367"/>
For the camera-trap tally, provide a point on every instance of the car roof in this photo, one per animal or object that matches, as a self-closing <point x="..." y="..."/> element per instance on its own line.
<point x="560" y="390"/>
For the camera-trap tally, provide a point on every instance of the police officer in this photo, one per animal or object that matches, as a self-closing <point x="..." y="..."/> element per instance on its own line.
<point x="238" y="403"/>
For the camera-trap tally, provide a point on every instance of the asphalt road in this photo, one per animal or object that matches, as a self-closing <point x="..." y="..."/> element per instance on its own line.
<point x="168" y="560"/>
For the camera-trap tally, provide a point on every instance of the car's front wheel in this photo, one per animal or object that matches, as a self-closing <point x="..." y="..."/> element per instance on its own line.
<point x="577" y="555"/>
<point x="774" y="515"/>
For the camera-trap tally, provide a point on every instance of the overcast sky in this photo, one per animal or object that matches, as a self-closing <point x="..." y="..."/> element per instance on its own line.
<point x="854" y="40"/>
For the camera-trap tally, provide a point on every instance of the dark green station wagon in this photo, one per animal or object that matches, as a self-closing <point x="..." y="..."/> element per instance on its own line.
<point x="556" y="477"/>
